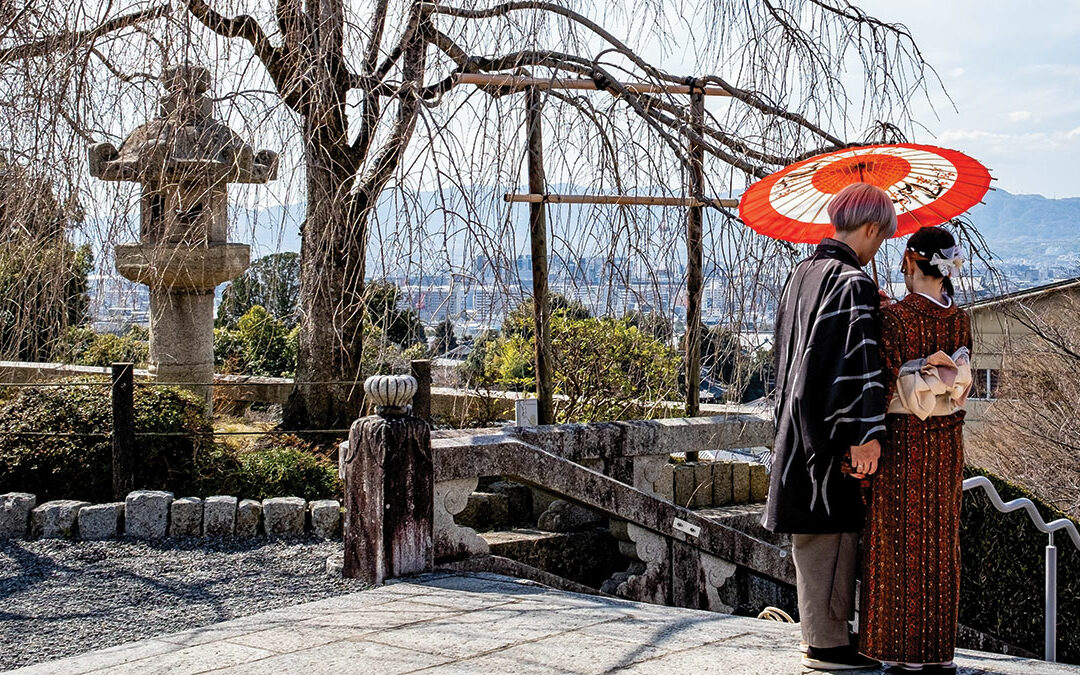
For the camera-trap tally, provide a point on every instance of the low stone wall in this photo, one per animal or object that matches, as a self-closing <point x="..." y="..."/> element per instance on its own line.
<point x="699" y="485"/>
<point x="449" y="403"/>
<point x="154" y="514"/>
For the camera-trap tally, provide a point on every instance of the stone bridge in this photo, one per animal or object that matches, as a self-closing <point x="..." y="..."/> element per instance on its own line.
<point x="624" y="471"/>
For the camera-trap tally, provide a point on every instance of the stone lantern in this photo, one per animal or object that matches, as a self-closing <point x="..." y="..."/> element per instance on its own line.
<point x="184" y="160"/>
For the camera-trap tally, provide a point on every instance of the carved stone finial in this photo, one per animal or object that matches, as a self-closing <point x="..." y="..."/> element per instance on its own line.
<point x="391" y="394"/>
<point x="194" y="79"/>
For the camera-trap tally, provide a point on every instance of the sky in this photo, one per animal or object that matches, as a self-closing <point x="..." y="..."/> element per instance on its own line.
<point x="1012" y="69"/>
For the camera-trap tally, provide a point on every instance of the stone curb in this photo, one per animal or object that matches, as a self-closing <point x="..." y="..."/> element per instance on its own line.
<point x="154" y="514"/>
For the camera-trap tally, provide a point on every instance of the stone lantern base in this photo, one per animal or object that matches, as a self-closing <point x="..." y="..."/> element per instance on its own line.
<point x="182" y="267"/>
<point x="182" y="281"/>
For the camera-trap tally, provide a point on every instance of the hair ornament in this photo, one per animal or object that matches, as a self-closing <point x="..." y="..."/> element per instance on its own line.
<point x="948" y="260"/>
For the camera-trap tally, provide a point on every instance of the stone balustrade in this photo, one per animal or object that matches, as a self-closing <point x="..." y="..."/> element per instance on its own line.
<point x="675" y="566"/>
<point x="154" y="514"/>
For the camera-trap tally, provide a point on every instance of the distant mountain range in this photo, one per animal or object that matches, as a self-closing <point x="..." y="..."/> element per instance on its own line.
<point x="1029" y="225"/>
<point x="1015" y="226"/>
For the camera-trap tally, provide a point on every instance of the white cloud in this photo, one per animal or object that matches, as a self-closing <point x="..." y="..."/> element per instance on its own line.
<point x="1020" y="116"/>
<point x="1035" y="139"/>
<point x="957" y="72"/>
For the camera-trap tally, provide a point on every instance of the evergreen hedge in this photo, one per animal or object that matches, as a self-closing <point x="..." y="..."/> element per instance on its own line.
<point x="1003" y="560"/>
<point x="79" y="466"/>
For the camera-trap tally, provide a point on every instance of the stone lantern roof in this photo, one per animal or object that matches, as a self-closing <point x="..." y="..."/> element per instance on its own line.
<point x="184" y="142"/>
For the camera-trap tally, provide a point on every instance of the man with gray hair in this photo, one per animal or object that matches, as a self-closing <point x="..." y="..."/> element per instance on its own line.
<point x="830" y="417"/>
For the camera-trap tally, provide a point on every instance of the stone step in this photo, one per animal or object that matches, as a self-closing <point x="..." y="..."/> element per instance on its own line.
<point x="587" y="557"/>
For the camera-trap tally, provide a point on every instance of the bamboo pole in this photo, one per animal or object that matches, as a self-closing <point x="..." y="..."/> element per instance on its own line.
<point x="538" y="239"/>
<point x="524" y="82"/>
<point x="621" y="200"/>
<point x="694" y="274"/>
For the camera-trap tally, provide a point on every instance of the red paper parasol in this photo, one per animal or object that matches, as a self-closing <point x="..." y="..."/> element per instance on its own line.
<point x="928" y="186"/>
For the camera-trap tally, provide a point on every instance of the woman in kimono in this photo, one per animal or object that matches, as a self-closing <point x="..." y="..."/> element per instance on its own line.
<point x="911" y="576"/>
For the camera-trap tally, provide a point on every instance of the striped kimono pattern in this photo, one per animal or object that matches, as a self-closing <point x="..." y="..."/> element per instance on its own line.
<point x="829" y="392"/>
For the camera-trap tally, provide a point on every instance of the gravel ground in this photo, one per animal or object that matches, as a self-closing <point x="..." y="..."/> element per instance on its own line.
<point x="59" y="598"/>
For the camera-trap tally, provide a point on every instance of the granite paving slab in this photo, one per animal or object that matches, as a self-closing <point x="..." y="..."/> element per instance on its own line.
<point x="479" y="623"/>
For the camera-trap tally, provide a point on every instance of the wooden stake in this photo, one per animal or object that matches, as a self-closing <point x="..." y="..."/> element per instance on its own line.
<point x="538" y="239"/>
<point x="620" y="200"/>
<point x="421" y="370"/>
<point x="694" y="274"/>
<point x="521" y="82"/>
<point x="123" y="431"/>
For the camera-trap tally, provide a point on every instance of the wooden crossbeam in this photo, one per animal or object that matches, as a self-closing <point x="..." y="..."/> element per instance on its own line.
<point x="620" y="200"/>
<point x="521" y="82"/>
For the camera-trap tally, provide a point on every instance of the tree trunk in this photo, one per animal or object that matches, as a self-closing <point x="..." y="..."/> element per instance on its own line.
<point x="332" y="260"/>
<point x="329" y="387"/>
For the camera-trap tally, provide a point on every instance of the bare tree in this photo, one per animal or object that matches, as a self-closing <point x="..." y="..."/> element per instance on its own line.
<point x="1031" y="434"/>
<point x="372" y="92"/>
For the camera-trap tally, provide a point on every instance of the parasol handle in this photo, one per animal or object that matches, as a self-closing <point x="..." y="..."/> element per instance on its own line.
<point x="873" y="266"/>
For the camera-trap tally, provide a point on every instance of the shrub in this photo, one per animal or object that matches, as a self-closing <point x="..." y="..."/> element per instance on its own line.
<point x="260" y="344"/>
<point x="87" y="348"/>
<point x="604" y="368"/>
<point x="80" y="466"/>
<point x="285" y="467"/>
<point x="1001" y="590"/>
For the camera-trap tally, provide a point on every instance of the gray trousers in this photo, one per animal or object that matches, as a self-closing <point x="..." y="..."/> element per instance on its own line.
<point x="825" y="581"/>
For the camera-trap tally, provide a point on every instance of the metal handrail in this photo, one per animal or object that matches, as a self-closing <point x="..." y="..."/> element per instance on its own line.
<point x="1026" y="504"/>
<point x="1050" y="639"/>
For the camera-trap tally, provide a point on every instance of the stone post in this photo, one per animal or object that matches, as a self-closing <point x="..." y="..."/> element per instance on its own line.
<point x="389" y="487"/>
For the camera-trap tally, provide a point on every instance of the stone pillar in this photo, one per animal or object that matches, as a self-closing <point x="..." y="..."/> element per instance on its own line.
<point x="389" y="487"/>
<point x="181" y="349"/>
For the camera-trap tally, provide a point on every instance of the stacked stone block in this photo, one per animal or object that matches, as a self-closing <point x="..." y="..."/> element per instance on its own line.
<point x="154" y="514"/>
<point x="101" y="521"/>
<point x="219" y="516"/>
<point x="699" y="485"/>
<point x="57" y="519"/>
<point x="248" y="518"/>
<point x="283" y="516"/>
<point x="186" y="517"/>
<point x="325" y="518"/>
<point x="15" y="508"/>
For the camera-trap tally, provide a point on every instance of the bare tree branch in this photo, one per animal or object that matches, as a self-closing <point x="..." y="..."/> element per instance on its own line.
<point x="71" y="39"/>
<point x="246" y="27"/>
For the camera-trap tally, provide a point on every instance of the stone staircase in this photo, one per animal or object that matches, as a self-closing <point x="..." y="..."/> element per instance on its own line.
<point x="536" y="528"/>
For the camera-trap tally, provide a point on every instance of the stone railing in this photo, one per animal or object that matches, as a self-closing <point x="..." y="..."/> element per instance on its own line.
<point x="153" y="514"/>
<point x="621" y="470"/>
<point x="637" y="454"/>
<point x="446" y="402"/>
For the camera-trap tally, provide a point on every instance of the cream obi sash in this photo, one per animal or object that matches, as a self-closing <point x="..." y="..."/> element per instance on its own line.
<point x="934" y="386"/>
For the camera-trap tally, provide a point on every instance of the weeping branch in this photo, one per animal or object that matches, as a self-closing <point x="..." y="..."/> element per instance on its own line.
<point x="72" y="39"/>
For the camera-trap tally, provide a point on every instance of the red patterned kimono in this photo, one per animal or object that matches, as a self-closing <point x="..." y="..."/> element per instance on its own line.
<point x="911" y="575"/>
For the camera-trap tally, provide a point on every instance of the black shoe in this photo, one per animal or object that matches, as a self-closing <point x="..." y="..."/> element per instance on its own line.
<point x="837" y="658"/>
<point x="928" y="669"/>
<point x="853" y="638"/>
